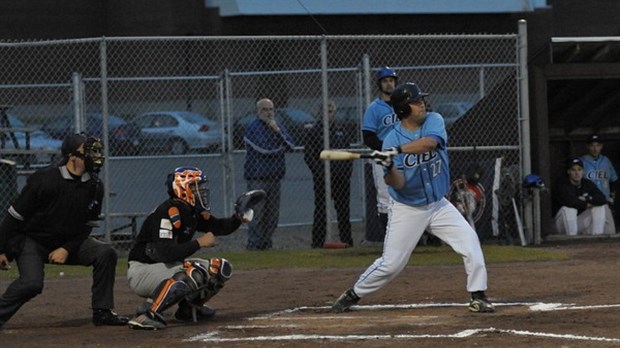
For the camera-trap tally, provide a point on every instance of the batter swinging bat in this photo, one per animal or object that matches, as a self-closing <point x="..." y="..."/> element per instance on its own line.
<point x="332" y="155"/>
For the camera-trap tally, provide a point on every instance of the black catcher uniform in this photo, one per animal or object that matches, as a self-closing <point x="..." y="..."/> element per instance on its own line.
<point x="159" y="268"/>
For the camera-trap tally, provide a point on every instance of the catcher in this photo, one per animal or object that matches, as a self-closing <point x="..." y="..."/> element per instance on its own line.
<point x="159" y="267"/>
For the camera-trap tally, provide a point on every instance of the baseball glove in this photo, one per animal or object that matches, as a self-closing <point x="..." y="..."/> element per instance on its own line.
<point x="247" y="201"/>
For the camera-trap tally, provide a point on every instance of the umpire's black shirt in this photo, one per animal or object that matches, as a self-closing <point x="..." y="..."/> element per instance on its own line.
<point x="55" y="208"/>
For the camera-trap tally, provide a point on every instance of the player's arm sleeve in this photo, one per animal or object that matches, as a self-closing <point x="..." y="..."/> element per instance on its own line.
<point x="9" y="227"/>
<point x="597" y="197"/>
<point x="219" y="226"/>
<point x="372" y="140"/>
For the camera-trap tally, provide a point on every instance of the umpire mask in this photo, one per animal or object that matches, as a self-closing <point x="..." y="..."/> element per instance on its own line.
<point x="93" y="154"/>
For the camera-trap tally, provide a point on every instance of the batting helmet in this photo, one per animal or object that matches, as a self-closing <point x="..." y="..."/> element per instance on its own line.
<point x="190" y="185"/>
<point x="403" y="95"/>
<point x="533" y="180"/>
<point x="386" y="72"/>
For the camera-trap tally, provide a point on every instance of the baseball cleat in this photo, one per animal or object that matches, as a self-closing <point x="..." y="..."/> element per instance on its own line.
<point x="345" y="301"/>
<point x="202" y="313"/>
<point x="143" y="322"/>
<point x="108" y="317"/>
<point x="481" y="305"/>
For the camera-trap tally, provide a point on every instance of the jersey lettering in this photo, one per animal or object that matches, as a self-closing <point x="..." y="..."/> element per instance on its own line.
<point x="413" y="160"/>
<point x="388" y="120"/>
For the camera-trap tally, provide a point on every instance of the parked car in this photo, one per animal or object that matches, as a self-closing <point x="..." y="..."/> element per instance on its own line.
<point x="47" y="148"/>
<point x="187" y="131"/>
<point x="452" y="111"/>
<point x="294" y="120"/>
<point x="125" y="137"/>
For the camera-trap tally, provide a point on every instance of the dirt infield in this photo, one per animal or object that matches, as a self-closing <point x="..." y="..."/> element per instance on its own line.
<point x="573" y="303"/>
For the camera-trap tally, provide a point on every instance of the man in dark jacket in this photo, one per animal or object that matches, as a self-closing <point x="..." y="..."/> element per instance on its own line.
<point x="340" y="178"/>
<point x="579" y="204"/>
<point x="266" y="142"/>
<point x="50" y="222"/>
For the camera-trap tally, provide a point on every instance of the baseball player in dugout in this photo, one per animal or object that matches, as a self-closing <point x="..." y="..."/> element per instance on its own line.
<point x="160" y="269"/>
<point x="266" y="143"/>
<point x="50" y="222"/>
<point x="416" y="171"/>
<point x="599" y="169"/>
<point x="579" y="205"/>
<point x="379" y="120"/>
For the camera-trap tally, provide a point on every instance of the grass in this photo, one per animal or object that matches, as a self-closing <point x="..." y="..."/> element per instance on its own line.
<point x="331" y="258"/>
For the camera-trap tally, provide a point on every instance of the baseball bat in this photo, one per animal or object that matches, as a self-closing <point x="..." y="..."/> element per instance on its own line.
<point x="333" y="155"/>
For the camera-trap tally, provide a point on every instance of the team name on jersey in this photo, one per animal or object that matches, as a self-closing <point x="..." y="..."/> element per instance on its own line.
<point x="413" y="160"/>
<point x="389" y="119"/>
<point x="597" y="175"/>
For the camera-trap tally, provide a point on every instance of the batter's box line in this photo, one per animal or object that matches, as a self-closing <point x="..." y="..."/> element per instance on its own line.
<point x="532" y="306"/>
<point x="213" y="336"/>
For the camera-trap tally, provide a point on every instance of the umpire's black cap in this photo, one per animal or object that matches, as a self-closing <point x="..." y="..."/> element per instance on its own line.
<point x="71" y="143"/>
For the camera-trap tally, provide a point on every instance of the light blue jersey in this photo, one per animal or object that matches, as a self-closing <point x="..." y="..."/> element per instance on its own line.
<point x="600" y="171"/>
<point x="427" y="176"/>
<point x="379" y="118"/>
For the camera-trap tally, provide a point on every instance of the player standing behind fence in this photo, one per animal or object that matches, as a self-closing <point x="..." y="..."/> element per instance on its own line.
<point x="266" y="142"/>
<point x="418" y="176"/>
<point x="379" y="120"/>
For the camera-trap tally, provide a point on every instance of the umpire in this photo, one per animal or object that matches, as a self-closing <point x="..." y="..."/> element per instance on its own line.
<point x="50" y="222"/>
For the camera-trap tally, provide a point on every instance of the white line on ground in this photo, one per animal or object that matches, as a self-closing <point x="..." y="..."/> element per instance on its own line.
<point x="539" y="306"/>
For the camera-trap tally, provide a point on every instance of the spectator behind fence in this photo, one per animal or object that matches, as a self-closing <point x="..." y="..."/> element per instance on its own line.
<point x="599" y="169"/>
<point x="266" y="143"/>
<point x="340" y="177"/>
<point x="579" y="204"/>
<point x="379" y="120"/>
<point x="50" y="223"/>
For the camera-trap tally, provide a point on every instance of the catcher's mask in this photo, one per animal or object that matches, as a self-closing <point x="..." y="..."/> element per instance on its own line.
<point x="403" y="95"/>
<point x="93" y="150"/>
<point x="190" y="185"/>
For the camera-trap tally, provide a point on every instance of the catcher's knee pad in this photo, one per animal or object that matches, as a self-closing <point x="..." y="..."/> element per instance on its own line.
<point x="209" y="277"/>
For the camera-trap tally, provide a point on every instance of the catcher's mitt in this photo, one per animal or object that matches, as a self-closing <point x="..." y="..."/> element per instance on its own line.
<point x="247" y="201"/>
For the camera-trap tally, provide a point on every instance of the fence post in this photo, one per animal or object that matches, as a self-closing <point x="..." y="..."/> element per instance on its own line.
<point x="78" y="101"/>
<point x="524" y="108"/>
<point x="106" y="151"/>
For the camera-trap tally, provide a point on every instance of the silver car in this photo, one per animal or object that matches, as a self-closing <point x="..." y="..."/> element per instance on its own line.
<point x="187" y="131"/>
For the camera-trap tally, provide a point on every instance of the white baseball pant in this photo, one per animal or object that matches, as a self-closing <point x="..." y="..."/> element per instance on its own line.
<point x="593" y="221"/>
<point x="406" y="225"/>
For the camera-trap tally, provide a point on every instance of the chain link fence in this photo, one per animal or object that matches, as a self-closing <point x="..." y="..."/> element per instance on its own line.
<point x="160" y="103"/>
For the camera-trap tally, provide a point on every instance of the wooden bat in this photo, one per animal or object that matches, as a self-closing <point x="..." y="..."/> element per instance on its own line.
<point x="335" y="155"/>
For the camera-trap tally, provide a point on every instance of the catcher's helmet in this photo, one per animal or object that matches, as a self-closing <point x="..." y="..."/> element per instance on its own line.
<point x="386" y="72"/>
<point x="190" y="185"/>
<point x="403" y="95"/>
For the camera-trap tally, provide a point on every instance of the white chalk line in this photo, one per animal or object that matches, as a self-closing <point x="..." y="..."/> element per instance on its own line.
<point x="212" y="336"/>
<point x="537" y="306"/>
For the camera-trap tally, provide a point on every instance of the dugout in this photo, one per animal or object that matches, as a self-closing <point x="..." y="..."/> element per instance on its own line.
<point x="574" y="92"/>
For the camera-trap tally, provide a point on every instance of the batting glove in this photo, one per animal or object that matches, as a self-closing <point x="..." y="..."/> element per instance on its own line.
<point x="383" y="158"/>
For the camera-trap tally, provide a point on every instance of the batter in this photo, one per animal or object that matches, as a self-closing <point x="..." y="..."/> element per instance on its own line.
<point x="418" y="177"/>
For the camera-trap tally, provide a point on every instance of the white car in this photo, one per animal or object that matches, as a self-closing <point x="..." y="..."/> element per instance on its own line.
<point x="188" y="131"/>
<point x="42" y="149"/>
